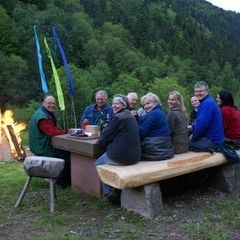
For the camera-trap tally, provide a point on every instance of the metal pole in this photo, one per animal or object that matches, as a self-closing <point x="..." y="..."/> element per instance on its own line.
<point x="73" y="111"/>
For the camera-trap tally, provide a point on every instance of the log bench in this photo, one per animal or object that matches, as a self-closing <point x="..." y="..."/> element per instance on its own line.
<point x="140" y="183"/>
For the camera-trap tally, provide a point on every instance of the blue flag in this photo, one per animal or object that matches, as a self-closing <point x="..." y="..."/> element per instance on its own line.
<point x="67" y="70"/>
<point x="42" y="75"/>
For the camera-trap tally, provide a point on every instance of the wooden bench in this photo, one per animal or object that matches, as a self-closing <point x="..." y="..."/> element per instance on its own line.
<point x="140" y="186"/>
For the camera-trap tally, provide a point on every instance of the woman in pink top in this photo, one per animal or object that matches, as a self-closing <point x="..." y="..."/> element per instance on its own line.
<point x="230" y="117"/>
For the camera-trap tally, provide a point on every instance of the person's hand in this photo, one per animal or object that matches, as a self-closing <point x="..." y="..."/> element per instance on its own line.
<point x="190" y="127"/>
<point x="85" y="123"/>
<point x="134" y="113"/>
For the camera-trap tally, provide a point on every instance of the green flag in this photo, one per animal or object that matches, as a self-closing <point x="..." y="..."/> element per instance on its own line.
<point x="56" y="78"/>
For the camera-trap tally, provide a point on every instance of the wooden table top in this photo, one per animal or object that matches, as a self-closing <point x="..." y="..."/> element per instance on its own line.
<point x="87" y="147"/>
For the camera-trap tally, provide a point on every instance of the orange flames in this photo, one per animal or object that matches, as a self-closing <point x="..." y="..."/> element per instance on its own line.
<point x="6" y="119"/>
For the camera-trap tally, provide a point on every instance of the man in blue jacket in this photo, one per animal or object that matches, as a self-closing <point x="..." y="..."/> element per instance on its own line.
<point x="208" y="129"/>
<point x="98" y="113"/>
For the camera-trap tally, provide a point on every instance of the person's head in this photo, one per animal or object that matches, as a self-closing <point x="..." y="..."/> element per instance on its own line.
<point x="149" y="101"/>
<point x="49" y="103"/>
<point x="132" y="100"/>
<point x="175" y="100"/>
<point x="101" y="98"/>
<point x="225" y="98"/>
<point x="218" y="100"/>
<point x="201" y="90"/>
<point x="119" y="102"/>
<point x="194" y="101"/>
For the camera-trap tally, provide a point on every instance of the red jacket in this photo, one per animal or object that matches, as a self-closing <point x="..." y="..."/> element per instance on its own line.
<point x="231" y="122"/>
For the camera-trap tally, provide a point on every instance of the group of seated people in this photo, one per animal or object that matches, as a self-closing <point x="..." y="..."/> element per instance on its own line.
<point x="148" y="134"/>
<point x="161" y="135"/>
<point x="130" y="134"/>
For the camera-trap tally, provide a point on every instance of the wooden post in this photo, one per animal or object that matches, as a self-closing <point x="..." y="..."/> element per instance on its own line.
<point x="18" y="146"/>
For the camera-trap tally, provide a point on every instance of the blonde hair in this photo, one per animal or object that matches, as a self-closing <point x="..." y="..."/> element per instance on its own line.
<point x="177" y="95"/>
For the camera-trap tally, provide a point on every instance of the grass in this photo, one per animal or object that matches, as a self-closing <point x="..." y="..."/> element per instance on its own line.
<point x="195" y="215"/>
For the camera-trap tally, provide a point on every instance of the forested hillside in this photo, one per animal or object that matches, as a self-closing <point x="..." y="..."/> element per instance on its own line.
<point x="118" y="45"/>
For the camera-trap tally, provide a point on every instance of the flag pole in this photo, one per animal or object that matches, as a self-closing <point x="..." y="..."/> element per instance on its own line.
<point x="67" y="70"/>
<point x="73" y="111"/>
<point x="57" y="81"/>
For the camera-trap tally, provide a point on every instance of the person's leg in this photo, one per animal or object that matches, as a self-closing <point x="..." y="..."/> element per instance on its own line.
<point x="64" y="178"/>
<point x="235" y="144"/>
<point x="109" y="192"/>
<point x="202" y="145"/>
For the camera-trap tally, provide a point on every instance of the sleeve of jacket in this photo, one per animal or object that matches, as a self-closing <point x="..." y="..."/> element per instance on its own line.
<point x="171" y="122"/>
<point x="109" y="132"/>
<point x="203" y="121"/>
<point x="48" y="127"/>
<point x="144" y="124"/>
<point x="85" y="114"/>
<point x="225" y="115"/>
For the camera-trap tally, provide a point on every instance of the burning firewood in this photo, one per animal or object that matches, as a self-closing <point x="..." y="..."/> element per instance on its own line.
<point x="21" y="153"/>
<point x="10" y="140"/>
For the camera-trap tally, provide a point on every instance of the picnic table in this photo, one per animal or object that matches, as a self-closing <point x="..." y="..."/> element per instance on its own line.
<point x="140" y="183"/>
<point x="84" y="152"/>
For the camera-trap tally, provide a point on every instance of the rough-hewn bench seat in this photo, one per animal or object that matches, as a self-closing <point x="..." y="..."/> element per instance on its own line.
<point x="140" y="182"/>
<point x="42" y="167"/>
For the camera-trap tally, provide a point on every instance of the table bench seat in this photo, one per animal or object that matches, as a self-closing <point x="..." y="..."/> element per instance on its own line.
<point x="141" y="182"/>
<point x="146" y="172"/>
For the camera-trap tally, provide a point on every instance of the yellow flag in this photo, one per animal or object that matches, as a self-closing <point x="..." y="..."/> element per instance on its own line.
<point x="56" y="78"/>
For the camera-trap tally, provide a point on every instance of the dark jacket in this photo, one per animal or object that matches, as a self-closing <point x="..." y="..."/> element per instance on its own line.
<point x="193" y="116"/>
<point x="179" y="133"/>
<point x="121" y="138"/>
<point x="154" y="124"/>
<point x="208" y="122"/>
<point x="39" y="143"/>
<point x="155" y="136"/>
<point x="157" y="148"/>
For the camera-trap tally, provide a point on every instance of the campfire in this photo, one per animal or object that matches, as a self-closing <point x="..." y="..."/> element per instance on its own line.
<point x="10" y="139"/>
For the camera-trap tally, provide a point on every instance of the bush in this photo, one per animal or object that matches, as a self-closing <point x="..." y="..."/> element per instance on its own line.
<point x="24" y="114"/>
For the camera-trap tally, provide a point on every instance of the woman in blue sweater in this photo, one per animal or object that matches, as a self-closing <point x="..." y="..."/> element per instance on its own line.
<point x="154" y="131"/>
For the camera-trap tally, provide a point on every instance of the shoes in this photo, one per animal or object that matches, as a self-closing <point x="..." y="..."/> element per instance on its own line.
<point x="60" y="186"/>
<point x="115" y="198"/>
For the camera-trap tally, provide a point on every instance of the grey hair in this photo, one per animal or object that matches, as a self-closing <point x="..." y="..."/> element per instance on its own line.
<point x="155" y="99"/>
<point x="47" y="97"/>
<point x="120" y="99"/>
<point x="132" y="94"/>
<point x="102" y="93"/>
<point x="200" y="84"/>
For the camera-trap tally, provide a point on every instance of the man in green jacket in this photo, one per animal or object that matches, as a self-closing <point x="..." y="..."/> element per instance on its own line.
<point x="43" y="126"/>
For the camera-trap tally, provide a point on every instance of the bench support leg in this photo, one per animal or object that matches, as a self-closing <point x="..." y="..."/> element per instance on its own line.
<point x="24" y="190"/>
<point x="51" y="194"/>
<point x="145" y="200"/>
<point x="226" y="178"/>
